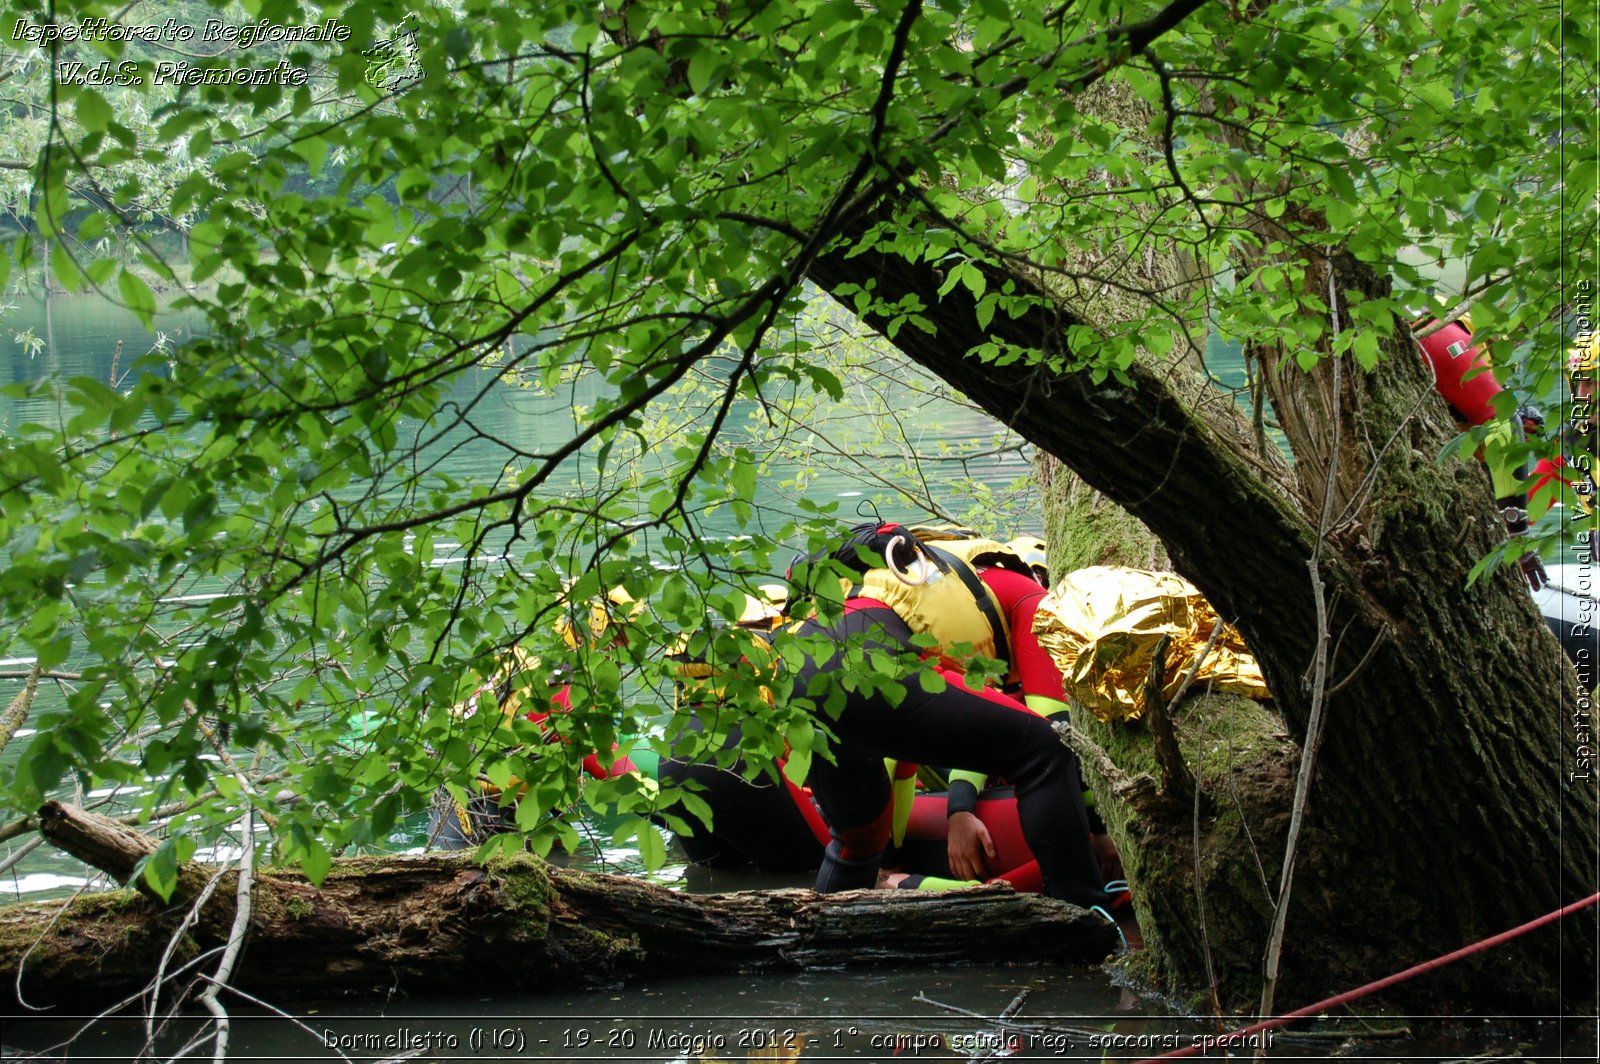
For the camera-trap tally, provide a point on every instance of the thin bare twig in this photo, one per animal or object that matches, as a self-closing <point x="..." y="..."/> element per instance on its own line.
<point x="190" y="918"/>
<point x="21" y="852"/>
<point x="230" y="955"/>
<point x="1005" y="1017"/>
<point x="1360" y="666"/>
<point x="1199" y="873"/>
<point x="117" y="1007"/>
<point x="1194" y="670"/>
<point x="1013" y="1024"/>
<point x="232" y="766"/>
<point x="291" y="1017"/>
<point x="1319" y="679"/>
<point x="1121" y="783"/>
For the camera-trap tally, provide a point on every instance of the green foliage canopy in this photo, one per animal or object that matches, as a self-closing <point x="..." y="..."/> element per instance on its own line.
<point x="622" y="206"/>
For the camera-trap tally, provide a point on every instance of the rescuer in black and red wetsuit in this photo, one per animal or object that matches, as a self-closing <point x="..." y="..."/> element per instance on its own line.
<point x="922" y="590"/>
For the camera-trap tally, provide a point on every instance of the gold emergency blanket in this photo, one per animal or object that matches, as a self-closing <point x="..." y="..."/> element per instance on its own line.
<point x="1102" y="624"/>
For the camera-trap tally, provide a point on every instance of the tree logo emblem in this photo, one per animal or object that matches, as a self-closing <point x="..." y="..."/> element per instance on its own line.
<point x="392" y="64"/>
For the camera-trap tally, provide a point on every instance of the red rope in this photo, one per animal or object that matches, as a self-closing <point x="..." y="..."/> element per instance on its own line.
<point x="1231" y="1039"/>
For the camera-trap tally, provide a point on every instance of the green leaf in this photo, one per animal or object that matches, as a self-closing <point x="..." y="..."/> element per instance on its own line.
<point x="1340" y="182"/>
<point x="801" y="736"/>
<point x="984" y="313"/>
<point x="824" y="381"/>
<point x="384" y="815"/>
<point x="1484" y="566"/>
<point x="797" y="766"/>
<point x="55" y="652"/>
<point x="92" y="110"/>
<point x="161" y="870"/>
<point x="93" y="227"/>
<point x="973" y="278"/>
<point x="743" y="477"/>
<point x="41" y="767"/>
<point x="65" y="268"/>
<point x="989" y="161"/>
<point x="315" y="862"/>
<point x="1365" y="349"/>
<point x="136" y="295"/>
<point x="702" y="65"/>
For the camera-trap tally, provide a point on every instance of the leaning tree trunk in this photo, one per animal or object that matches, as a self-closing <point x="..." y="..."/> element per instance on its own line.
<point x="423" y="925"/>
<point x="1442" y="809"/>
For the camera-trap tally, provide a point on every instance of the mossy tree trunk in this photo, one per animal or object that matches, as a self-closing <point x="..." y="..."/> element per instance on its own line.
<point x="1442" y="810"/>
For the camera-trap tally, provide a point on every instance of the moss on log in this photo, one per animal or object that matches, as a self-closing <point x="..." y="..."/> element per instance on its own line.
<point x="379" y="925"/>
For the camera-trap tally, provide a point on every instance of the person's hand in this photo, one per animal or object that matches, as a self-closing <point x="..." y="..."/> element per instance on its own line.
<point x="969" y="846"/>
<point x="1532" y="567"/>
<point x="1105" y="852"/>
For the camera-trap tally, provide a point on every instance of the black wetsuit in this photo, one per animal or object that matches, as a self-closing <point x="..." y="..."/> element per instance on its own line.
<point x="953" y="727"/>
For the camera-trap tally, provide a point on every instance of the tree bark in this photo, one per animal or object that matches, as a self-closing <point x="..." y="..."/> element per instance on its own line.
<point x="444" y="924"/>
<point x="1445" y="807"/>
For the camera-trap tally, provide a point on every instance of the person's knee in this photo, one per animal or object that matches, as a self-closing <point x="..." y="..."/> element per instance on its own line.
<point x="1041" y="755"/>
<point x="865" y="842"/>
<point x="840" y="872"/>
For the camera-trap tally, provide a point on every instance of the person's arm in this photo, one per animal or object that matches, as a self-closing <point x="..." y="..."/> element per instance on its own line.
<point x="1511" y="495"/>
<point x="1032" y="665"/>
<point x="968" y="844"/>
<point x="1046" y="706"/>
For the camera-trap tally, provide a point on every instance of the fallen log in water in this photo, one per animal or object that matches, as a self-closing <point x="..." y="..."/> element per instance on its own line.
<point x="414" y="925"/>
